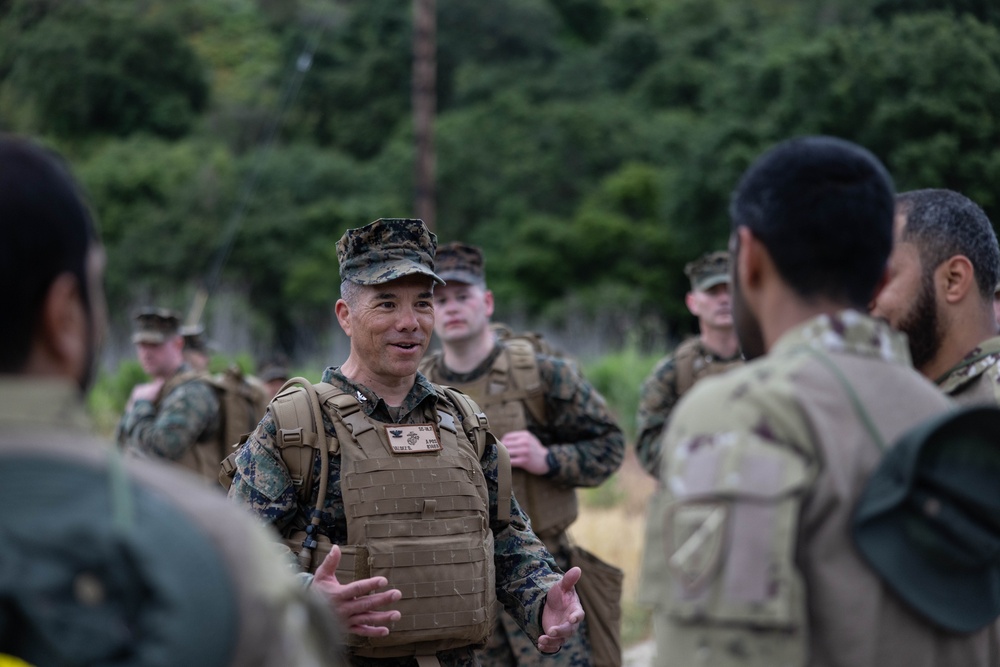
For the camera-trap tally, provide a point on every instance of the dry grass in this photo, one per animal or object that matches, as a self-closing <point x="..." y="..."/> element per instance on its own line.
<point x="615" y="533"/>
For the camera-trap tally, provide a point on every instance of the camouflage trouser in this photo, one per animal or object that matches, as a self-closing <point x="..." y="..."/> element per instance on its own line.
<point x="510" y="647"/>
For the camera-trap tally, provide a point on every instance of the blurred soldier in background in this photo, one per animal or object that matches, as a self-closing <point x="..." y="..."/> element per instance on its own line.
<point x="555" y="425"/>
<point x="273" y="373"/>
<point x="105" y="561"/>
<point x="404" y="485"/>
<point x="197" y="350"/>
<point x="766" y="462"/>
<point x="714" y="350"/>
<point x="943" y="273"/>
<point x="176" y="415"/>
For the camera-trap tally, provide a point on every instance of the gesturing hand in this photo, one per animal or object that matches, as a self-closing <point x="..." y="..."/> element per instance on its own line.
<point x="359" y="608"/>
<point x="562" y="614"/>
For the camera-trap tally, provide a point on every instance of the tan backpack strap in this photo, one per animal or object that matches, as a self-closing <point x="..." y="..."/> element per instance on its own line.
<point x="684" y="365"/>
<point x="476" y="427"/>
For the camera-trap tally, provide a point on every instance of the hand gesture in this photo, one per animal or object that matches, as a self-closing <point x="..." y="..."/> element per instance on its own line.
<point x="526" y="452"/>
<point x="562" y="614"/>
<point x="356" y="604"/>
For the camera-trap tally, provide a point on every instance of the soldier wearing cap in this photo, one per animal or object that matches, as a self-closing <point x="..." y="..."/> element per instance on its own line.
<point x="553" y="422"/>
<point x="714" y="350"/>
<point x="762" y="466"/>
<point x="174" y="417"/>
<point x="274" y="373"/>
<point x="405" y="481"/>
<point x="943" y="273"/>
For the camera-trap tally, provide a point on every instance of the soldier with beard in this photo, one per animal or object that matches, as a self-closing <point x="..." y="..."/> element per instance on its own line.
<point x="943" y="273"/>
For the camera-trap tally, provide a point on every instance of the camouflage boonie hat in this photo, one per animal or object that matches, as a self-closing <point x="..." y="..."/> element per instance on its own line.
<point x="195" y="339"/>
<point x="709" y="270"/>
<point x="385" y="250"/>
<point x="461" y="263"/>
<point x="156" y="325"/>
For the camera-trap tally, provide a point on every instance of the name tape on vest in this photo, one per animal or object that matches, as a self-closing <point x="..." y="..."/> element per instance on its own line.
<point x="413" y="438"/>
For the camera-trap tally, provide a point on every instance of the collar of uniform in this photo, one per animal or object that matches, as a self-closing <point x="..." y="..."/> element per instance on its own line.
<point x="28" y="401"/>
<point x="712" y="355"/>
<point x="449" y="376"/>
<point x="847" y="331"/>
<point x="372" y="403"/>
<point x="972" y="365"/>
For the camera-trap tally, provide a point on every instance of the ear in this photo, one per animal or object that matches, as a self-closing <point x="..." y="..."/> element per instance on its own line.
<point x="955" y="278"/>
<point x="62" y="339"/>
<point x="691" y="302"/>
<point x="343" y="312"/>
<point x="488" y="300"/>
<point x="749" y="260"/>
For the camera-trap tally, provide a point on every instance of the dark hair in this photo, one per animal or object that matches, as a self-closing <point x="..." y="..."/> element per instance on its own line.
<point x="46" y="230"/>
<point x="823" y="208"/>
<point x="944" y="223"/>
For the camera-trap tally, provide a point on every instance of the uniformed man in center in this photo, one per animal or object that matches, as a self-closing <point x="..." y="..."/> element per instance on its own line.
<point x="416" y="486"/>
<point x="554" y="423"/>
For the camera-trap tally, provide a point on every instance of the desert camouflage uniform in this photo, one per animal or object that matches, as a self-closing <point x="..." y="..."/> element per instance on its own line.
<point x="585" y="447"/>
<point x="762" y="468"/>
<point x="172" y="425"/>
<point x="976" y="379"/>
<point x="659" y="395"/>
<point x="525" y="570"/>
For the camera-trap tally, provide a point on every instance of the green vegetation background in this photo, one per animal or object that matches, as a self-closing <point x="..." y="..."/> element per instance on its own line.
<point x="589" y="145"/>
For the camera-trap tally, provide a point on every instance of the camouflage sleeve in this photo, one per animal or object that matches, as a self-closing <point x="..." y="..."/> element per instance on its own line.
<point x="525" y="569"/>
<point x="656" y="400"/>
<point x="184" y="415"/>
<point x="261" y="481"/>
<point x="584" y="441"/>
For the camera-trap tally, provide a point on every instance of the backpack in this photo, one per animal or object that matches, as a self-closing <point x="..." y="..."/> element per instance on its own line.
<point x="536" y="339"/>
<point x="928" y="519"/>
<point x="242" y="400"/>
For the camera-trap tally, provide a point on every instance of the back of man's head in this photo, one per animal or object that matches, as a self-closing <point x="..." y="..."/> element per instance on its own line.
<point x="46" y="230"/>
<point x="944" y="223"/>
<point x="823" y="208"/>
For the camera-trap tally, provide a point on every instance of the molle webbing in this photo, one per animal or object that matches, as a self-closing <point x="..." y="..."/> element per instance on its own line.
<point x="422" y="521"/>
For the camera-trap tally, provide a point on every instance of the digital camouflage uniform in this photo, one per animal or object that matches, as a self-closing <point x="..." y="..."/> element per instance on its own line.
<point x="525" y="571"/>
<point x="975" y="380"/>
<point x="659" y="395"/>
<point x="98" y="541"/>
<point x="585" y="446"/>
<point x="168" y="427"/>
<point x="763" y="467"/>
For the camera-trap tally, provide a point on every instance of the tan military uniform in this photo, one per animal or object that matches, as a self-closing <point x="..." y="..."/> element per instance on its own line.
<point x="762" y="468"/>
<point x="254" y="614"/>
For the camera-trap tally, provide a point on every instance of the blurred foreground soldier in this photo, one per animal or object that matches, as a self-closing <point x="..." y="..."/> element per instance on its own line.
<point x="404" y="481"/>
<point x="943" y="273"/>
<point x="555" y="425"/>
<point x="175" y="416"/>
<point x="714" y="350"/>
<point x="197" y="351"/>
<point x="763" y="465"/>
<point x="106" y="562"/>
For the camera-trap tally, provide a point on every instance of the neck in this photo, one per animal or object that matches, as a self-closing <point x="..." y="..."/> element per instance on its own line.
<point x="463" y="356"/>
<point x="963" y="332"/>
<point x="392" y="390"/>
<point x="721" y="341"/>
<point x="783" y="309"/>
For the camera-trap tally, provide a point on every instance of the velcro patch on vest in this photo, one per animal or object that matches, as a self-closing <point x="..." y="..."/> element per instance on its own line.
<point x="413" y="438"/>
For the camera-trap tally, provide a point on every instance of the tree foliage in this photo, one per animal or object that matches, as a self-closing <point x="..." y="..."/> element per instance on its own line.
<point x="589" y="145"/>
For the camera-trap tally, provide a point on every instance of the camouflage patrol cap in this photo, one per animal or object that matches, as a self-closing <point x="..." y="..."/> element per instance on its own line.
<point x="195" y="339"/>
<point x="928" y="521"/>
<point x="709" y="270"/>
<point x="156" y="325"/>
<point x="461" y="263"/>
<point x="274" y="369"/>
<point x="385" y="250"/>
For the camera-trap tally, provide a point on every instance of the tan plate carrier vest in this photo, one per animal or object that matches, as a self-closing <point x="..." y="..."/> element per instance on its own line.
<point x="513" y="386"/>
<point x="684" y="358"/>
<point x="421" y="520"/>
<point x="203" y="456"/>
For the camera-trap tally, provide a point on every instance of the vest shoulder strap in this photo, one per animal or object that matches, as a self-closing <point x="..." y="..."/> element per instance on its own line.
<point x="526" y="376"/>
<point x="684" y="357"/>
<point x="476" y="427"/>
